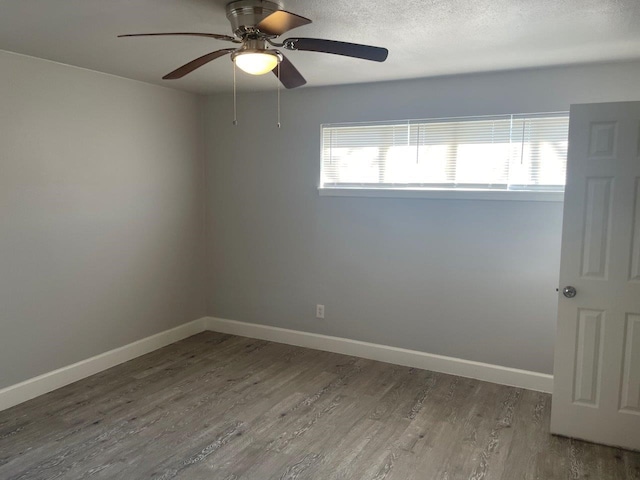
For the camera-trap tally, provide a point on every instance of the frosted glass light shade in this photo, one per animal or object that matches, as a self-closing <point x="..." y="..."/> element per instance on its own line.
<point x="256" y="63"/>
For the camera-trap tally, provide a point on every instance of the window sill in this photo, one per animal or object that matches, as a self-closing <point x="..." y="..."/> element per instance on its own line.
<point x="501" y="195"/>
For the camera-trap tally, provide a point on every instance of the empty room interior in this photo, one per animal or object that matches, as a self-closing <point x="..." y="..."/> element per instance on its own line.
<point x="320" y="240"/>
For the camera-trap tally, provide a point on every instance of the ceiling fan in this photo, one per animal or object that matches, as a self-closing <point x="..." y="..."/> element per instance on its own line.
<point x="255" y="25"/>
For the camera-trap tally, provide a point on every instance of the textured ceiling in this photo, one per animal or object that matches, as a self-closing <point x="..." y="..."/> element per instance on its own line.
<point x="424" y="37"/>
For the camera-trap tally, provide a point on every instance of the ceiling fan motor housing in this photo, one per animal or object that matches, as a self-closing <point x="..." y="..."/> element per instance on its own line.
<point x="244" y="15"/>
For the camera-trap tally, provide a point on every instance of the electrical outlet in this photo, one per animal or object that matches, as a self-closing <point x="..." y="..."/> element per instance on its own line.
<point x="319" y="311"/>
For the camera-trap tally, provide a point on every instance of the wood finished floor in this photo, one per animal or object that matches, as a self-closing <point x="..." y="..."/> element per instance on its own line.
<point x="218" y="406"/>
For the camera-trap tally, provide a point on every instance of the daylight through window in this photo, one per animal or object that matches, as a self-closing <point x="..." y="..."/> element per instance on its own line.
<point x="512" y="152"/>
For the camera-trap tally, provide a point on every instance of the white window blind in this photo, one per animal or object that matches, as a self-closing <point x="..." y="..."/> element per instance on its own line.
<point x="511" y="152"/>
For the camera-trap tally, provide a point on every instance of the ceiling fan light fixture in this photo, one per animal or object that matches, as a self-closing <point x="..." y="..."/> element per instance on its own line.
<point x="256" y="63"/>
<point x="256" y="24"/>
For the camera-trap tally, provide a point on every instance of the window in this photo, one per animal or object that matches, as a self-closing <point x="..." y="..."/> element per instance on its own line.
<point x="526" y="153"/>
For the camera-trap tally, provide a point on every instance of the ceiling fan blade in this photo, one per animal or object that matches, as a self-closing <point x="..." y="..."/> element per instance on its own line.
<point x="281" y="21"/>
<point x="289" y="76"/>
<point x="367" y="52"/>
<point x="197" y="63"/>
<point x="217" y="36"/>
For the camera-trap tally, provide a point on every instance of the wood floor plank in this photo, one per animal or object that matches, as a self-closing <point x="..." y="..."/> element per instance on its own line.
<point x="232" y="408"/>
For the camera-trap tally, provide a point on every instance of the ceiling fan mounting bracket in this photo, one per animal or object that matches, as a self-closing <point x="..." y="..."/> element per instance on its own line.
<point x="244" y="15"/>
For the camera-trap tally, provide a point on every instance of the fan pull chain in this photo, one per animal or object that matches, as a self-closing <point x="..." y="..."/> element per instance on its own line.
<point x="278" y="82"/>
<point x="235" y="111"/>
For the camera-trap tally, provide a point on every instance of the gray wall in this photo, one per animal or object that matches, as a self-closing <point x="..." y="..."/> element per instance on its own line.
<point x="101" y="213"/>
<point x="468" y="279"/>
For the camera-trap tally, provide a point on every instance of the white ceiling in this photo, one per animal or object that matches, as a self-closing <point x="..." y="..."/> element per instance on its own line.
<point x="424" y="37"/>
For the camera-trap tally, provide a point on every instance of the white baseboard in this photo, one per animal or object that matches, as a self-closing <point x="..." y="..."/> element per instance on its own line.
<point x="438" y="363"/>
<point x="47" y="382"/>
<point x="34" y="387"/>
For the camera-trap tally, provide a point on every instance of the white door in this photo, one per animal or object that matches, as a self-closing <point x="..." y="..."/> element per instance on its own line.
<point x="596" y="392"/>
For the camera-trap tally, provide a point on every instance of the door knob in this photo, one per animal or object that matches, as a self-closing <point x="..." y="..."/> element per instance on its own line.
<point x="569" y="292"/>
